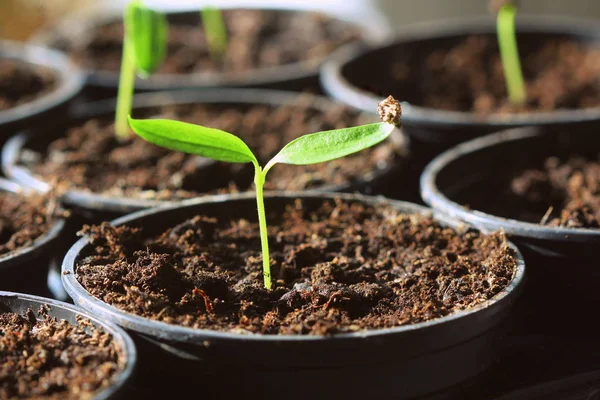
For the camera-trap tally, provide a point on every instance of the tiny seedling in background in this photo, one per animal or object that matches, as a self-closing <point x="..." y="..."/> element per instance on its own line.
<point x="308" y="149"/>
<point x="144" y="48"/>
<point x="509" y="52"/>
<point x="215" y="32"/>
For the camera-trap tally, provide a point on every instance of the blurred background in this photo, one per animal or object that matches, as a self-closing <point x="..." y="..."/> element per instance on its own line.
<point x="19" y="18"/>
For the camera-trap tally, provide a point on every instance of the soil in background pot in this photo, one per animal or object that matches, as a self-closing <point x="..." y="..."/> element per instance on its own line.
<point x="52" y="359"/>
<point x="561" y="74"/>
<point x="91" y="158"/>
<point x="21" y="83"/>
<point x="23" y="219"/>
<point x="256" y="39"/>
<point x="342" y="267"/>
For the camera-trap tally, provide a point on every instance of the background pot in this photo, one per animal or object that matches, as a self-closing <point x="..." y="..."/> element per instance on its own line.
<point x="293" y="76"/>
<point x="69" y="83"/>
<point x="431" y="130"/>
<point x="26" y="268"/>
<point x="20" y="303"/>
<point x="558" y="256"/>
<point x="407" y="361"/>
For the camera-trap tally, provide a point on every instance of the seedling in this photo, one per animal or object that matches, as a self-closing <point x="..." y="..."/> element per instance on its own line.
<point x="215" y="32"/>
<point x="509" y="52"/>
<point x="144" y="48"/>
<point x="308" y="149"/>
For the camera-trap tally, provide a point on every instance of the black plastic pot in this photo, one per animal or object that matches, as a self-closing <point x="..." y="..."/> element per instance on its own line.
<point x="357" y="66"/>
<point x="46" y="107"/>
<point x="95" y="207"/>
<point x="20" y="303"/>
<point x="398" y="362"/>
<point x="26" y="268"/>
<point x="294" y="76"/>
<point x="467" y="173"/>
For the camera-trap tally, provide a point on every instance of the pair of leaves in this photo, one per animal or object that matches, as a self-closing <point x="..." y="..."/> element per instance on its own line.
<point x="223" y="146"/>
<point x="146" y="33"/>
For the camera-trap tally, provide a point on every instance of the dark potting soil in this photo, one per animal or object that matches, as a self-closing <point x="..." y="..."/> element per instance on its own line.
<point x="21" y="83"/>
<point x="568" y="189"/>
<point x="23" y="219"/>
<point x="256" y="39"/>
<point x="50" y="359"/>
<point x="91" y="158"/>
<point x="343" y="267"/>
<point x="469" y="77"/>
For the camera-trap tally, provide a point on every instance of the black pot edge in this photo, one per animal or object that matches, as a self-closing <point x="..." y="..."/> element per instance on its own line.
<point x="372" y="33"/>
<point x="180" y="334"/>
<point x="71" y="79"/>
<point x="487" y="222"/>
<point x="23" y="254"/>
<point x="337" y="87"/>
<point x="119" y="335"/>
<point x="79" y="198"/>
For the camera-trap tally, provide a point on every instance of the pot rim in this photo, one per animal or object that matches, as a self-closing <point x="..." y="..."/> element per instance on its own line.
<point x="434" y="197"/>
<point x="70" y="79"/>
<point x="102" y="202"/>
<point x="338" y="87"/>
<point x="191" y="335"/>
<point x="8" y="259"/>
<point x="119" y="336"/>
<point x="373" y="33"/>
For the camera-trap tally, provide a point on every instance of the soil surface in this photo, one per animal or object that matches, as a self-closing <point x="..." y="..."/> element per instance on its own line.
<point x="256" y="39"/>
<point x="343" y="267"/>
<point x="91" y="158"/>
<point x="21" y="83"/>
<point x="23" y="219"/>
<point x="469" y="77"/>
<point x="50" y="359"/>
<point x="569" y="189"/>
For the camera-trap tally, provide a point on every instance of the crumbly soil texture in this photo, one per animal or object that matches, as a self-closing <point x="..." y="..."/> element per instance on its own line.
<point x="45" y="358"/>
<point x="21" y="83"/>
<point x="90" y="157"/>
<point x="560" y="74"/>
<point x="256" y="39"/>
<point x="24" y="219"/>
<point x="339" y="267"/>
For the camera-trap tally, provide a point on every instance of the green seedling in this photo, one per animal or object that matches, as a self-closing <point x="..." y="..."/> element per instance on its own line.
<point x="308" y="149"/>
<point x="215" y="32"/>
<point x="144" y="48"/>
<point x="509" y="53"/>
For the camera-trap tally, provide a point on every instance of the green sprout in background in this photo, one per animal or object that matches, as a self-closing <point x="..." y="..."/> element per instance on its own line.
<point x="308" y="149"/>
<point x="215" y="32"/>
<point x="509" y="53"/>
<point x="144" y="48"/>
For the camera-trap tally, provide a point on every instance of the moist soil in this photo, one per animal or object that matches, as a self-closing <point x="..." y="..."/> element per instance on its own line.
<point x="44" y="358"/>
<point x="560" y="74"/>
<point x="256" y="39"/>
<point x="90" y="157"/>
<point x="23" y="219"/>
<point x="21" y="83"/>
<point x="341" y="267"/>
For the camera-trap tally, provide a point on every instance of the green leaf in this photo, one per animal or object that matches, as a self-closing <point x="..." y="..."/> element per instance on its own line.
<point x="193" y="139"/>
<point x="329" y="145"/>
<point x="146" y="31"/>
<point x="215" y="30"/>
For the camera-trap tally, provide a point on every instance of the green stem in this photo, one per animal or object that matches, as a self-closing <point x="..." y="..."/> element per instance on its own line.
<point x="215" y="32"/>
<point x="126" y="87"/>
<point x="259" y="182"/>
<point x="509" y="53"/>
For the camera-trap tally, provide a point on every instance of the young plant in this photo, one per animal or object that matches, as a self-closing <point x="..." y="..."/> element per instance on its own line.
<point x="509" y="52"/>
<point x="215" y="32"/>
<point x="308" y="149"/>
<point x="144" y="48"/>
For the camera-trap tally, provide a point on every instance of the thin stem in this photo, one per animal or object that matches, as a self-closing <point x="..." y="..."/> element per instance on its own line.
<point x="509" y="53"/>
<point x="126" y="87"/>
<point x="215" y="32"/>
<point x="259" y="182"/>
